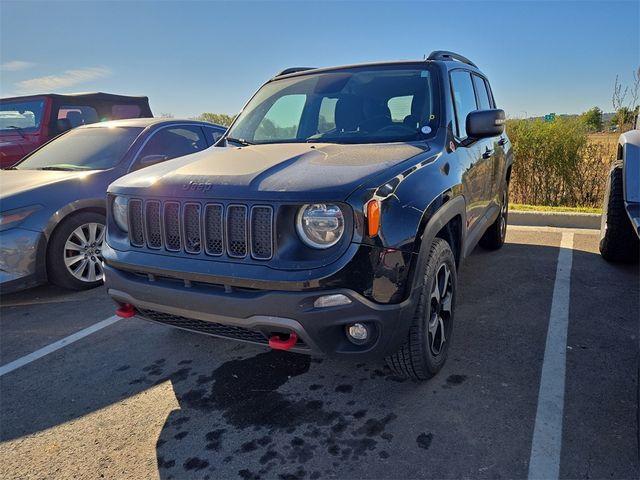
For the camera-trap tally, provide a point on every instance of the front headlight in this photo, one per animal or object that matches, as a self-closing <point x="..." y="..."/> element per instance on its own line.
<point x="320" y="225"/>
<point x="121" y="213"/>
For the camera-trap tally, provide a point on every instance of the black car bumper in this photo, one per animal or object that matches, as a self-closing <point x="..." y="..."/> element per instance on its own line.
<point x="254" y="315"/>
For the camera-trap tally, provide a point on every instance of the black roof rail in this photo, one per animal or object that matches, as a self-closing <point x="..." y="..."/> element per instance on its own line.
<point x="445" y="55"/>
<point x="287" y="71"/>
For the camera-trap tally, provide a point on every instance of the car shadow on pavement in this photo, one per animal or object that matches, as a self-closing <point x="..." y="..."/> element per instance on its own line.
<point x="246" y="412"/>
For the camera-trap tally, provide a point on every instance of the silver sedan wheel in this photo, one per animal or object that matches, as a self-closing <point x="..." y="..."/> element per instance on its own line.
<point x="83" y="252"/>
<point x="441" y="301"/>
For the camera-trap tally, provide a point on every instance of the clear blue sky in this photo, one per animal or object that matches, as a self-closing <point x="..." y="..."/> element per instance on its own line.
<point x="191" y="57"/>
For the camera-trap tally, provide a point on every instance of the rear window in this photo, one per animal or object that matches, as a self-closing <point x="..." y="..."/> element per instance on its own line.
<point x="125" y="111"/>
<point x="21" y="115"/>
<point x="78" y="115"/>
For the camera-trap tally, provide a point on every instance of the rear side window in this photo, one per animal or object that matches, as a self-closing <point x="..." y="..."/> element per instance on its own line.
<point x="327" y="115"/>
<point x="78" y="114"/>
<point x="213" y="134"/>
<point x="400" y="108"/>
<point x="464" y="99"/>
<point x="125" y="111"/>
<point x="484" y="103"/>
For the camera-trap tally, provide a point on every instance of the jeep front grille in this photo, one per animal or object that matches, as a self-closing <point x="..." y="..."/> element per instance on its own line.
<point x="235" y="230"/>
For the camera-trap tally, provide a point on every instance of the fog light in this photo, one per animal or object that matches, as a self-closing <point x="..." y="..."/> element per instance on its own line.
<point x="358" y="333"/>
<point x="331" y="301"/>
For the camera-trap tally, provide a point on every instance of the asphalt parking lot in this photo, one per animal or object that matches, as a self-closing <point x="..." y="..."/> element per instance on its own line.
<point x="139" y="400"/>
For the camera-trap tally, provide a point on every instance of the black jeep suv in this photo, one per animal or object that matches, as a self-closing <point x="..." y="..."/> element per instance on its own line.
<point x="330" y="219"/>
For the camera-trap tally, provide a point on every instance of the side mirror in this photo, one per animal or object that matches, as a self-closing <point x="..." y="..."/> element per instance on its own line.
<point x="62" y="125"/>
<point x="149" y="160"/>
<point x="485" y="123"/>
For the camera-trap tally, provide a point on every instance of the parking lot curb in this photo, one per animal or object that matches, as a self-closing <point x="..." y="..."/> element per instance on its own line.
<point x="555" y="219"/>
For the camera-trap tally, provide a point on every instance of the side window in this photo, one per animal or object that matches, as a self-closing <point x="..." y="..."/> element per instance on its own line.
<point x="173" y="142"/>
<point x="400" y="108"/>
<point x="327" y="115"/>
<point x="464" y="99"/>
<point x="282" y="120"/>
<point x="78" y="115"/>
<point x="483" y="95"/>
<point x="125" y="111"/>
<point x="213" y="134"/>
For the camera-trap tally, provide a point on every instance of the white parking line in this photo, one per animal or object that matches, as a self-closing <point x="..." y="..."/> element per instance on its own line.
<point x="544" y="462"/>
<point x="22" y="361"/>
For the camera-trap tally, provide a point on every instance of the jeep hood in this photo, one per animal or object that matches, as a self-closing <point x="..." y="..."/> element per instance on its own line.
<point x="279" y="171"/>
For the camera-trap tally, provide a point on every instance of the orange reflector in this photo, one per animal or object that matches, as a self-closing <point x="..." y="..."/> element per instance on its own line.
<point x="373" y="217"/>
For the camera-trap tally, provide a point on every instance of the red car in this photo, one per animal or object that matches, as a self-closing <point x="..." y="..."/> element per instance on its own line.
<point x="28" y="122"/>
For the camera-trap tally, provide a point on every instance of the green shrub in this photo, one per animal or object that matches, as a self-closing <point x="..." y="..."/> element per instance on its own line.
<point x="557" y="164"/>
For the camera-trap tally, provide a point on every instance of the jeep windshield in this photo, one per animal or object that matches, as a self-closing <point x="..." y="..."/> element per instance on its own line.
<point x="369" y="104"/>
<point x="21" y="116"/>
<point x="87" y="148"/>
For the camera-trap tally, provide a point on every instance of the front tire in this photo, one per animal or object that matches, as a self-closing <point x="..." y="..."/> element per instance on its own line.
<point x="426" y="349"/>
<point x="74" y="256"/>
<point x="618" y="241"/>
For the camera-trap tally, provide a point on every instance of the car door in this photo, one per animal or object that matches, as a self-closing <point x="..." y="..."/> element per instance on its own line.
<point x="473" y="163"/>
<point x="170" y="142"/>
<point x="492" y="148"/>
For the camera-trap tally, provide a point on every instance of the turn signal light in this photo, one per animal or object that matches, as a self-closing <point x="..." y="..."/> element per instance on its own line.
<point x="373" y="217"/>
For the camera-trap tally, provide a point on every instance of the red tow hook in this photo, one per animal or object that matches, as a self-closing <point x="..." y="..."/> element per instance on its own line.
<point x="277" y="343"/>
<point x="126" y="311"/>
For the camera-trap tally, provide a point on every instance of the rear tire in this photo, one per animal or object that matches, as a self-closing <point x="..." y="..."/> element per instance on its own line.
<point x="494" y="236"/>
<point x="426" y="349"/>
<point x="74" y="255"/>
<point x="618" y="241"/>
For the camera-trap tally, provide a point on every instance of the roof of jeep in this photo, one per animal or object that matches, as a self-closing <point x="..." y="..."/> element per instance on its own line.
<point x="449" y="64"/>
<point x="83" y="95"/>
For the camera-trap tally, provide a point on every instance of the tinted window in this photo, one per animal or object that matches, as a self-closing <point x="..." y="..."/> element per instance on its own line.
<point x="354" y="105"/>
<point x="93" y="148"/>
<point x="78" y="115"/>
<point x="483" y="95"/>
<point x="213" y="134"/>
<point x="327" y="115"/>
<point x="125" y="111"/>
<point x="282" y="119"/>
<point x="174" y="142"/>
<point x="400" y="107"/>
<point x="464" y="98"/>
<point x="21" y="115"/>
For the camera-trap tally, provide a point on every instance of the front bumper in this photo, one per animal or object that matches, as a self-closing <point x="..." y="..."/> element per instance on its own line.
<point x="21" y="259"/>
<point x="253" y="315"/>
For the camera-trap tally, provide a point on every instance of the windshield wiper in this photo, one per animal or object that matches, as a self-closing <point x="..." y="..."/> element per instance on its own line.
<point x="65" y="168"/>
<point x="17" y="129"/>
<point x="240" y="141"/>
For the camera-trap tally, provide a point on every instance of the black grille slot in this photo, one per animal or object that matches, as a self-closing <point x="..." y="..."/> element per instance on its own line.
<point x="192" y="235"/>
<point x="237" y="231"/>
<point x="261" y="233"/>
<point x="136" y="225"/>
<point x="153" y="233"/>
<point x="172" y="226"/>
<point x="213" y="229"/>
<point x="211" y="328"/>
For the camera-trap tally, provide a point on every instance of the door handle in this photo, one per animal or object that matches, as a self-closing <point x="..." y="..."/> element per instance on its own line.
<point x="487" y="154"/>
<point x="502" y="141"/>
